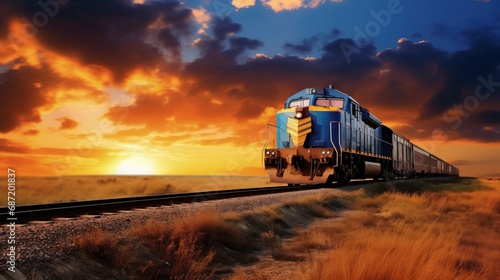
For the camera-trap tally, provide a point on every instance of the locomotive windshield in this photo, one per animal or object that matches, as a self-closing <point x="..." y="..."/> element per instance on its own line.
<point x="299" y="102"/>
<point x="330" y="102"/>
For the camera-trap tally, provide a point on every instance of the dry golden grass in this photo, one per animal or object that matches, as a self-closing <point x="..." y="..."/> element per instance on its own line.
<point x="38" y="190"/>
<point x="98" y="243"/>
<point x="207" y="225"/>
<point x="156" y="250"/>
<point x="436" y="235"/>
<point x="363" y="234"/>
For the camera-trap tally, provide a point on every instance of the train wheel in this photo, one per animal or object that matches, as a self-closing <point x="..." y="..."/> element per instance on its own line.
<point x="343" y="176"/>
<point x="344" y="179"/>
<point x="388" y="176"/>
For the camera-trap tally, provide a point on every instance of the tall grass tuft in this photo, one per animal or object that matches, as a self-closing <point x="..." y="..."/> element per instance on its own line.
<point x="158" y="250"/>
<point x="99" y="243"/>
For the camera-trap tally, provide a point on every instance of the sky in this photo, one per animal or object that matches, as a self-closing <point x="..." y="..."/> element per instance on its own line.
<point x="93" y="87"/>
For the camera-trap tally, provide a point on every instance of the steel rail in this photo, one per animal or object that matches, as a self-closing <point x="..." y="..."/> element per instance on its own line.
<point x="41" y="212"/>
<point x="26" y="213"/>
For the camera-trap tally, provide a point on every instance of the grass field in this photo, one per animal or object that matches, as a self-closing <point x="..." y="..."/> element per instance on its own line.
<point x="443" y="231"/>
<point x="38" y="190"/>
<point x="439" y="229"/>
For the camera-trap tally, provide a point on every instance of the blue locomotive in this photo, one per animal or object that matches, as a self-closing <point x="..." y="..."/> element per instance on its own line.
<point x="324" y="135"/>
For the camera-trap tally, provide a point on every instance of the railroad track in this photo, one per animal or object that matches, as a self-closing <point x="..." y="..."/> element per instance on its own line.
<point x="41" y="212"/>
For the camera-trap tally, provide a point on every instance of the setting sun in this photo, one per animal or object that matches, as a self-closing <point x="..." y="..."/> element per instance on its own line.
<point x="136" y="165"/>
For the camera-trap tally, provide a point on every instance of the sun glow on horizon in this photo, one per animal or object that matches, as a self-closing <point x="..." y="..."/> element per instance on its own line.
<point x="136" y="165"/>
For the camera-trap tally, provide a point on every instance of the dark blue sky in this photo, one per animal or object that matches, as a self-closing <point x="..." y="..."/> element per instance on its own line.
<point x="439" y="22"/>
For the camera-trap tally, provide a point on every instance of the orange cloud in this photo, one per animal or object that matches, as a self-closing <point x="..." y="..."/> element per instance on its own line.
<point x="286" y="5"/>
<point x="239" y="4"/>
<point x="202" y="17"/>
<point x="151" y="82"/>
<point x="12" y="147"/>
<point x="68" y="123"/>
<point x="281" y="5"/>
<point x="22" y="44"/>
<point x="92" y="76"/>
<point x="31" y="132"/>
<point x="21" y="99"/>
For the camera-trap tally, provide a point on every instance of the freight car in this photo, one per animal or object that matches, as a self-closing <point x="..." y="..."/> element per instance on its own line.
<point x="324" y="135"/>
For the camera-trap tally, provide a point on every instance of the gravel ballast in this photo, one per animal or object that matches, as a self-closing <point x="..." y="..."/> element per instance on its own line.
<point x="38" y="244"/>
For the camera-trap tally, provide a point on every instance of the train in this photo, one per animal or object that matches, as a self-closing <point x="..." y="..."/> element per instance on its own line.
<point x="323" y="135"/>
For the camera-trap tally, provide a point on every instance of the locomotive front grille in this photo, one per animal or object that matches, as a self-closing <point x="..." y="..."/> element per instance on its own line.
<point x="298" y="129"/>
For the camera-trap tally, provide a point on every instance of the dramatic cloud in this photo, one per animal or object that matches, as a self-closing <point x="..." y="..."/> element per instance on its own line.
<point x="461" y="73"/>
<point x="247" y="88"/>
<point x="418" y="82"/>
<point x="118" y="36"/>
<point x="21" y="95"/>
<point x="121" y="44"/>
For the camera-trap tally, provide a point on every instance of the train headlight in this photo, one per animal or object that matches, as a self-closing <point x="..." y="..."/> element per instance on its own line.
<point x="298" y="115"/>
<point x="328" y="152"/>
<point x="323" y="152"/>
<point x="273" y="153"/>
<point x="268" y="153"/>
